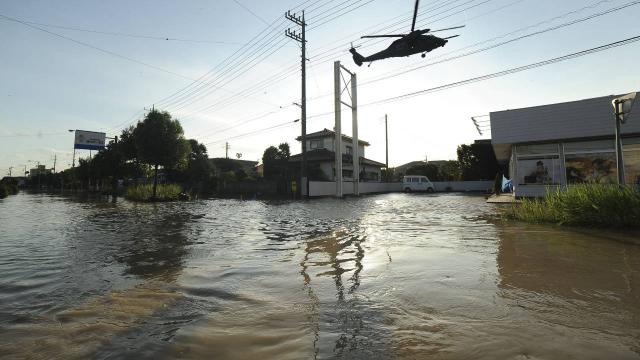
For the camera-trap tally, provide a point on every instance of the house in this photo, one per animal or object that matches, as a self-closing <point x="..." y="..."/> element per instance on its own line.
<point x="562" y="144"/>
<point x="321" y="158"/>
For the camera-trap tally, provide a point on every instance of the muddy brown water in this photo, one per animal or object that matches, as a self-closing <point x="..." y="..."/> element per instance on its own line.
<point x="396" y="276"/>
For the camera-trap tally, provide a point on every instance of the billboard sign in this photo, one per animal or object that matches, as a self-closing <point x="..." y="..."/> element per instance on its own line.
<point x="89" y="140"/>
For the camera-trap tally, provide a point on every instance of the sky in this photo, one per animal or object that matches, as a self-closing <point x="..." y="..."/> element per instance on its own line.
<point x="226" y="70"/>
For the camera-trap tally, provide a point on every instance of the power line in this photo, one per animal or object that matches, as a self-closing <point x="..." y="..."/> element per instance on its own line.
<point x="251" y="12"/>
<point x="227" y="60"/>
<point x="508" y="72"/>
<point x="553" y="28"/>
<point x="238" y="72"/>
<point x="123" y="34"/>
<point x="109" y="52"/>
<point x="563" y="25"/>
<point x="227" y="99"/>
<point x="331" y="53"/>
<point x="255" y="132"/>
<point x="470" y="81"/>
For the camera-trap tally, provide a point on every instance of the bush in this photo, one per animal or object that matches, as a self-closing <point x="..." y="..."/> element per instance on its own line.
<point x="144" y="192"/>
<point x="7" y="189"/>
<point x="593" y="205"/>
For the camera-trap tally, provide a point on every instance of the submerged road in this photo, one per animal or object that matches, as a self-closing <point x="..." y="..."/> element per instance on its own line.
<point x="396" y="276"/>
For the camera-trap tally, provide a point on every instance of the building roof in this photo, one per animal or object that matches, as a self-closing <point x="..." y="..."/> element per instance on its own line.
<point x="569" y="120"/>
<point x="326" y="133"/>
<point x="328" y="155"/>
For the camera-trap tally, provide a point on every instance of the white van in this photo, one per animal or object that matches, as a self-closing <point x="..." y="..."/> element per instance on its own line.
<point x="417" y="183"/>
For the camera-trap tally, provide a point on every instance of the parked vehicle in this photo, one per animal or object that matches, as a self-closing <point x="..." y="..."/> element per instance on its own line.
<point x="417" y="183"/>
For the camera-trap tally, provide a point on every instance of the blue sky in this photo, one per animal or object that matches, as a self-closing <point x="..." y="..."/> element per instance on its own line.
<point x="49" y="84"/>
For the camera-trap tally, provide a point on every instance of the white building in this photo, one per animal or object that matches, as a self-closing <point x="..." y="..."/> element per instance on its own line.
<point x="562" y="144"/>
<point x="321" y="158"/>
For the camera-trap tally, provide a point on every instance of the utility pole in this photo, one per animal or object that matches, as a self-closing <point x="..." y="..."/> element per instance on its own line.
<point x="226" y="150"/>
<point x="386" y="146"/>
<point x="55" y="159"/>
<point x="10" y="168"/>
<point x="337" y="144"/>
<point x="301" y="38"/>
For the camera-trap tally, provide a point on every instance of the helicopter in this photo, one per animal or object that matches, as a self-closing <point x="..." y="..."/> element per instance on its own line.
<point x="415" y="42"/>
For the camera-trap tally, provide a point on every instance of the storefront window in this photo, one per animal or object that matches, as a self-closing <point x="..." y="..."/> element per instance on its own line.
<point x="538" y="164"/>
<point x="632" y="163"/>
<point x="542" y="171"/>
<point x="591" y="168"/>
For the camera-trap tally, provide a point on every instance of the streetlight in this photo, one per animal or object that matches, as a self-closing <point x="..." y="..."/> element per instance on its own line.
<point x="622" y="108"/>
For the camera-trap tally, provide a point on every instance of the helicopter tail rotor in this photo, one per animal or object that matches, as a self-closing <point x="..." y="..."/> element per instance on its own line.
<point x="357" y="58"/>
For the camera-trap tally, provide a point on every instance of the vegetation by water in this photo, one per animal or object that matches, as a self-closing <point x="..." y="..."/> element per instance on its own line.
<point x="593" y="205"/>
<point x="144" y="192"/>
<point x="7" y="188"/>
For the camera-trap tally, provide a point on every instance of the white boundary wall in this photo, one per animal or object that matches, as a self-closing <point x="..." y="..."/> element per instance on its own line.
<point x="463" y="186"/>
<point x="328" y="188"/>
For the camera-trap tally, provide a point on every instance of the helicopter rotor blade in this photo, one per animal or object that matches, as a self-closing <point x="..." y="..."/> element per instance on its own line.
<point x="451" y="37"/>
<point x="415" y="15"/>
<point x="451" y="28"/>
<point x="382" y="36"/>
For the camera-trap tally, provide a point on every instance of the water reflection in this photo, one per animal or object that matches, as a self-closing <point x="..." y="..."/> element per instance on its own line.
<point x="350" y="320"/>
<point x="159" y="249"/>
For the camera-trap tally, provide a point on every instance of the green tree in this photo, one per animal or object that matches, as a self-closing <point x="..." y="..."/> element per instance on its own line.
<point x="275" y="161"/>
<point x="198" y="165"/>
<point x="428" y="170"/>
<point x="449" y="171"/>
<point x="477" y="161"/>
<point x="160" y="141"/>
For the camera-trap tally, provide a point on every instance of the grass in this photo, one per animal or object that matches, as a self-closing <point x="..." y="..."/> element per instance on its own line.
<point x="591" y="205"/>
<point x="144" y="192"/>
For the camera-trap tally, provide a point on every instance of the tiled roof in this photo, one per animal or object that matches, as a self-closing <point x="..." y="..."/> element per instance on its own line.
<point x="330" y="133"/>
<point x="327" y="155"/>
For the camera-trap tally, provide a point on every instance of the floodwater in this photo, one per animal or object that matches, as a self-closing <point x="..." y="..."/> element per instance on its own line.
<point x="396" y="276"/>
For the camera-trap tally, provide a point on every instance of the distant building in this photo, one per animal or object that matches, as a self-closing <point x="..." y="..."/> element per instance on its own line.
<point x="562" y="144"/>
<point x="39" y="170"/>
<point x="321" y="156"/>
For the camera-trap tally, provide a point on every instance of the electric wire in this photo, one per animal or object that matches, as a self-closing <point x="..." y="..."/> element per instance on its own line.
<point x="508" y="71"/>
<point x="123" y="34"/>
<point x="109" y="52"/>
<point x="469" y="81"/>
